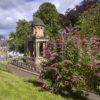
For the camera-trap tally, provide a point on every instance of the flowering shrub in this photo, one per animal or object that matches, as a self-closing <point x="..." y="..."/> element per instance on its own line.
<point x="70" y="68"/>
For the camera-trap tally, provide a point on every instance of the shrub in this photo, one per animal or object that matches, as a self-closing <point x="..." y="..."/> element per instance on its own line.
<point x="69" y="68"/>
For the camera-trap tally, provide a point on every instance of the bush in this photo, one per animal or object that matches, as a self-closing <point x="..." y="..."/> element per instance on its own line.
<point x="69" y="67"/>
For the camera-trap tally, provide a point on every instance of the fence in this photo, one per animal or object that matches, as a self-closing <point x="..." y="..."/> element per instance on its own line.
<point x="27" y="66"/>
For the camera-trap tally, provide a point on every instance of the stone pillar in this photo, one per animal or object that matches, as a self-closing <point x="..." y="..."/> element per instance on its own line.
<point x="44" y="45"/>
<point x="37" y="49"/>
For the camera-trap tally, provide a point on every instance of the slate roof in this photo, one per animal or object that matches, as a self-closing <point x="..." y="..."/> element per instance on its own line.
<point x="37" y="22"/>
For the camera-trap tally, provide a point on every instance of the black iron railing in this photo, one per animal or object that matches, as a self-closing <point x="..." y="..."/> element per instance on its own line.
<point x="27" y="66"/>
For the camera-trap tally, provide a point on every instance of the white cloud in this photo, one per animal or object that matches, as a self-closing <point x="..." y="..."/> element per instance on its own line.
<point x="13" y="10"/>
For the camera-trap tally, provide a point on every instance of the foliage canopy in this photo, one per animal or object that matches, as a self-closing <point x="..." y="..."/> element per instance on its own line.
<point x="89" y="21"/>
<point x="17" y="39"/>
<point x="48" y="13"/>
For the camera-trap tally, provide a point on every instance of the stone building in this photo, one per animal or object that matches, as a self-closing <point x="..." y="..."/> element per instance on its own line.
<point x="38" y="41"/>
<point x="3" y="48"/>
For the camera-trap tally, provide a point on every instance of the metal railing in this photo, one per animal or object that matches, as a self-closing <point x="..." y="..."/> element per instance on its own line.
<point x="27" y="66"/>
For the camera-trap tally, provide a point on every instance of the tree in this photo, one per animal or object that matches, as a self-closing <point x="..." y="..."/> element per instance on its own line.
<point x="71" y="16"/>
<point x="48" y="13"/>
<point x="23" y="30"/>
<point x="89" y="21"/>
<point x="11" y="41"/>
<point x="18" y="38"/>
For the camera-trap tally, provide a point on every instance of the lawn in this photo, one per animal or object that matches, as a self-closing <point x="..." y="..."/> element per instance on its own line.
<point x="16" y="88"/>
<point x="3" y="62"/>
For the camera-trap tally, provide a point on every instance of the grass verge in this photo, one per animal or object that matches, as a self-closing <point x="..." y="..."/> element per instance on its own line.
<point x="16" y="88"/>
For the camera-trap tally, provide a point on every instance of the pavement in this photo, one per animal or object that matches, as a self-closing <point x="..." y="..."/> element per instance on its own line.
<point x="20" y="72"/>
<point x="93" y="96"/>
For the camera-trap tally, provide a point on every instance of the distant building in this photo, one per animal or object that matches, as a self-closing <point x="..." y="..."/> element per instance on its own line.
<point x="3" y="48"/>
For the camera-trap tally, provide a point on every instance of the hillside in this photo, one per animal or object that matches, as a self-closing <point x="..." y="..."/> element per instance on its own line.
<point x="15" y="88"/>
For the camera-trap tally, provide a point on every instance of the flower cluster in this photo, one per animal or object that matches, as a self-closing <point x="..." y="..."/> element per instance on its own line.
<point x="54" y="65"/>
<point x="75" y="78"/>
<point x="67" y="62"/>
<point x="69" y="65"/>
<point x="85" y="41"/>
<point x="59" y="41"/>
<point x="95" y="42"/>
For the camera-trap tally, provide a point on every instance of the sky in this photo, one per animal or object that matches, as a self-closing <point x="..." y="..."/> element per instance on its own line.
<point x="13" y="10"/>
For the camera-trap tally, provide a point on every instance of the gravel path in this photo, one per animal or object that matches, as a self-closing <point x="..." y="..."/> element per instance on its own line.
<point x="19" y="71"/>
<point x="93" y="96"/>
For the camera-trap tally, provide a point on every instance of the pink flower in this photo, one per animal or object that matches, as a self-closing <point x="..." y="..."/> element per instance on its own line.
<point x="85" y="41"/>
<point x="97" y="43"/>
<point x="58" y="77"/>
<point x="67" y="62"/>
<point x="65" y="35"/>
<point x="75" y="78"/>
<point x="98" y="74"/>
<point x="81" y="55"/>
<point x="78" y="65"/>
<point x="88" y="49"/>
<point x="91" y="65"/>
<point x="54" y="65"/>
<point x="54" y="54"/>
<point x="48" y="53"/>
<point x="59" y="41"/>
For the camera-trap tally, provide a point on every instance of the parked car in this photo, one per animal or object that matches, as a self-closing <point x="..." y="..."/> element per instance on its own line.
<point x="14" y="54"/>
